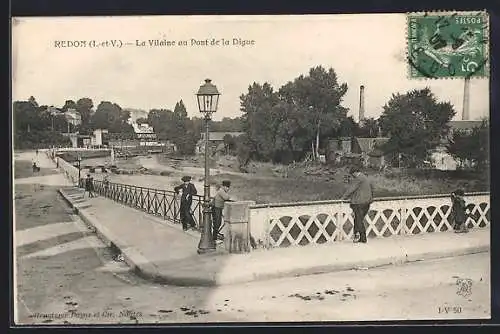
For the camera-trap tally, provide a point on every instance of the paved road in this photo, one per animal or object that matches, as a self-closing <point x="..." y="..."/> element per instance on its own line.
<point x="66" y="275"/>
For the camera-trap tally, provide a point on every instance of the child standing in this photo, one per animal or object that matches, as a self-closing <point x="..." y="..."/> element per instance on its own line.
<point x="458" y="211"/>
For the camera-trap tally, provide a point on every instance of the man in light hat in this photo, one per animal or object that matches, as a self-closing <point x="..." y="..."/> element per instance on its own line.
<point x="361" y="196"/>
<point x="220" y="198"/>
<point x="188" y="191"/>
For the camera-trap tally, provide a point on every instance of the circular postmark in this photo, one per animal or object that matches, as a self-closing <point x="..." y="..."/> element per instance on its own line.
<point x="447" y="45"/>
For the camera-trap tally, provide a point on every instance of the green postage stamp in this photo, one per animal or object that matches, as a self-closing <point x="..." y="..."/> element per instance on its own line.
<point x="448" y="44"/>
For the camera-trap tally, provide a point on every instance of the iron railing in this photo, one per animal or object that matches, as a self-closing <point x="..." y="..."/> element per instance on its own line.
<point x="161" y="203"/>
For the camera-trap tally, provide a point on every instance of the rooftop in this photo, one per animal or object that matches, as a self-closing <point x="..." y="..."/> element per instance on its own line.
<point x="466" y="124"/>
<point x="369" y="144"/>
<point x="219" y="136"/>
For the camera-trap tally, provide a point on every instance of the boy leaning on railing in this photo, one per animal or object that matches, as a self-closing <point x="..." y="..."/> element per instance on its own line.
<point x="458" y="211"/>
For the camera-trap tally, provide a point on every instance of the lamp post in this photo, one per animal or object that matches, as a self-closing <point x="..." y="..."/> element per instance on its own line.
<point x="208" y="101"/>
<point x="79" y="159"/>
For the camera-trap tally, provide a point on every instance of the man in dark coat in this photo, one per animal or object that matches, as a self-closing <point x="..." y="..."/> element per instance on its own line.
<point x="361" y="196"/>
<point x="188" y="191"/>
<point x="89" y="186"/>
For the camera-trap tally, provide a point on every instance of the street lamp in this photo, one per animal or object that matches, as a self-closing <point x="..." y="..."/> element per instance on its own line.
<point x="79" y="159"/>
<point x="208" y="101"/>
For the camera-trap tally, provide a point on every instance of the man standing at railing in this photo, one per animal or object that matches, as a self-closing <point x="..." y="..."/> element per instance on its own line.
<point x="188" y="191"/>
<point x="361" y="195"/>
<point x="221" y="197"/>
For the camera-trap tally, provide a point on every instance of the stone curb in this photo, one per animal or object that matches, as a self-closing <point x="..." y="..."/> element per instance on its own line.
<point x="136" y="261"/>
<point x="176" y="278"/>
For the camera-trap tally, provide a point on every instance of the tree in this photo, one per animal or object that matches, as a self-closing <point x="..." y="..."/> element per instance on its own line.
<point x="416" y="122"/>
<point x="229" y="143"/>
<point x="227" y="125"/>
<point x="348" y="128"/>
<point x="32" y="125"/>
<point x="85" y="106"/>
<point x="25" y="116"/>
<point x="369" y="128"/>
<point x="471" y="146"/>
<point x="110" y="116"/>
<point x="180" y="135"/>
<point x="162" y="122"/>
<point x="285" y="125"/>
<point x="319" y="97"/>
<point x="69" y="104"/>
<point x="245" y="150"/>
<point x="33" y="102"/>
<point x="258" y="122"/>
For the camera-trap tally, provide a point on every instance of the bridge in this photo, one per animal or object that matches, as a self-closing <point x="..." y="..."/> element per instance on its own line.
<point x="297" y="224"/>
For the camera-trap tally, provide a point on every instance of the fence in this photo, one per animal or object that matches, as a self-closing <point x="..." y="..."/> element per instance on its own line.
<point x="161" y="203"/>
<point x="283" y="225"/>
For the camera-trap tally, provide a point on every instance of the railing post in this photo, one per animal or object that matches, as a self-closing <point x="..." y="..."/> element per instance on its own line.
<point x="404" y="216"/>
<point x="200" y="212"/>
<point x="267" y="241"/>
<point x="237" y="224"/>
<point x="164" y="194"/>
<point x="174" y="204"/>
<point x="342" y="219"/>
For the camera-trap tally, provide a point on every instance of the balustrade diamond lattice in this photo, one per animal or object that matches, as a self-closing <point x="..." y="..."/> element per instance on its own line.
<point x="321" y="223"/>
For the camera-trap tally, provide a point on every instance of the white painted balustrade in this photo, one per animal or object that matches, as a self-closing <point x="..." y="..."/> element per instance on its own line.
<point x="302" y="223"/>
<point x="292" y="224"/>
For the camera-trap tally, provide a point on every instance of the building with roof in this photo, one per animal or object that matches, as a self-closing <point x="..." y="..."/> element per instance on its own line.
<point x="464" y="125"/>
<point x="216" y="140"/>
<point x="370" y="150"/>
<point x="357" y="150"/>
<point x="441" y="159"/>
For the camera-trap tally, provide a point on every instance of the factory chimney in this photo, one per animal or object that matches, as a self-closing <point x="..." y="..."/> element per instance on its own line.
<point x="361" y="103"/>
<point x="465" y="110"/>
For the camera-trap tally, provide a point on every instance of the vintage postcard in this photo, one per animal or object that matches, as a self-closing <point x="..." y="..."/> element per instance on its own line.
<point x="218" y="169"/>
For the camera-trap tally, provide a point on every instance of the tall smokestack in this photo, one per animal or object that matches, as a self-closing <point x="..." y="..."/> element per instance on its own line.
<point x="465" y="110"/>
<point x="361" y="103"/>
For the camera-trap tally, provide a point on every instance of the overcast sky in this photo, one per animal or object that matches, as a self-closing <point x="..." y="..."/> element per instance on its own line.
<point x="367" y="49"/>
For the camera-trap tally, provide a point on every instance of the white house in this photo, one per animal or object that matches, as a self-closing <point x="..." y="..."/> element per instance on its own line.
<point x="73" y="117"/>
<point x="96" y="139"/>
<point x="440" y="157"/>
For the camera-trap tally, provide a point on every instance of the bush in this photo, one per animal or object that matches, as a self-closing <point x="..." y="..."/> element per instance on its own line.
<point x="39" y="139"/>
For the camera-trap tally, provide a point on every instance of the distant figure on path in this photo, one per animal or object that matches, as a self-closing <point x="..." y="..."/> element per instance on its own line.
<point x="89" y="186"/>
<point x="105" y="182"/>
<point x="458" y="214"/>
<point x="188" y="191"/>
<point x="361" y="195"/>
<point x="35" y="167"/>
<point x="221" y="197"/>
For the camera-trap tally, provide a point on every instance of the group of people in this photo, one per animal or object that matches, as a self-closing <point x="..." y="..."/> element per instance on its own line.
<point x="217" y="205"/>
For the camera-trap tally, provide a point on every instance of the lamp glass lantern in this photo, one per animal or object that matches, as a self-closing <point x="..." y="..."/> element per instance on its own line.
<point x="208" y="98"/>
